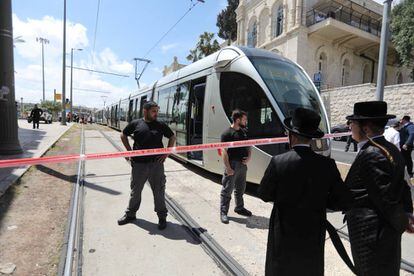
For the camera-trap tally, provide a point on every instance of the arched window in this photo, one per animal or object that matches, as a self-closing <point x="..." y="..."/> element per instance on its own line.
<point x="323" y="66"/>
<point x="399" y="78"/>
<point x="345" y="72"/>
<point x="278" y="21"/>
<point x="366" y="74"/>
<point x="264" y="24"/>
<point x="252" y="34"/>
<point x="279" y="24"/>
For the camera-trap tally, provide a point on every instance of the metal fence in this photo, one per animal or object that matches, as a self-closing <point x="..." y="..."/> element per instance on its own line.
<point x="345" y="15"/>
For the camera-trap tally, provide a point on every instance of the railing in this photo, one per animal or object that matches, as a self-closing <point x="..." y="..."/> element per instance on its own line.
<point x="345" y="15"/>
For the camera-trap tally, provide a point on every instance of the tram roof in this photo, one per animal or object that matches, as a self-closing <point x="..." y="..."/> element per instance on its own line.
<point x="208" y="62"/>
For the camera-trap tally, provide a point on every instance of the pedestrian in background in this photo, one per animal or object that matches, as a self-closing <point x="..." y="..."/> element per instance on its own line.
<point x="235" y="162"/>
<point x="302" y="184"/>
<point x="392" y="134"/>
<point x="406" y="142"/>
<point x="383" y="207"/>
<point x="35" y="114"/>
<point x="349" y="140"/>
<point x="147" y="133"/>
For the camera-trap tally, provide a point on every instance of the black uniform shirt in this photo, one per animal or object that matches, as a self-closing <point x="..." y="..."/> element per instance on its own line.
<point x="230" y="135"/>
<point x="36" y="113"/>
<point x="147" y="135"/>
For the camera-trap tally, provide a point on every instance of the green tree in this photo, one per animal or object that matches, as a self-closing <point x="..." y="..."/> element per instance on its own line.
<point x="205" y="46"/>
<point x="402" y="29"/>
<point x="53" y="107"/>
<point x="226" y="21"/>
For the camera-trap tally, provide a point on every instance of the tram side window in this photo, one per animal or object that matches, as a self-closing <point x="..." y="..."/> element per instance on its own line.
<point x="180" y="105"/>
<point x="240" y="91"/>
<point x="123" y="110"/>
<point x="163" y="98"/>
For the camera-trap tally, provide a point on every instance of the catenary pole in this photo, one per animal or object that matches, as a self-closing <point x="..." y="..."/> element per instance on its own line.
<point x="382" y="63"/>
<point x="9" y="139"/>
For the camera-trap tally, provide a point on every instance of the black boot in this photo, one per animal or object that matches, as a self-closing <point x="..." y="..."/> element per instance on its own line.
<point x="244" y="212"/>
<point x="224" y="219"/>
<point x="126" y="219"/>
<point x="162" y="223"/>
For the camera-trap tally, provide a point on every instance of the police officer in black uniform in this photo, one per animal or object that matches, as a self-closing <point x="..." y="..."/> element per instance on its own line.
<point x="235" y="162"/>
<point x="147" y="133"/>
<point x="35" y="114"/>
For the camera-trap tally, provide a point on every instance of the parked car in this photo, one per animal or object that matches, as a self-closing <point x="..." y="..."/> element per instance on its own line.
<point x="338" y="129"/>
<point x="45" y="117"/>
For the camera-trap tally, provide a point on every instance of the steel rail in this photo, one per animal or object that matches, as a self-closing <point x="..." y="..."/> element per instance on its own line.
<point x="72" y="239"/>
<point x="224" y="260"/>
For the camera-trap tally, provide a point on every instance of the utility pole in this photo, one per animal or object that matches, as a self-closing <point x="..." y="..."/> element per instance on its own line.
<point x="9" y="139"/>
<point x="138" y="75"/>
<point x="382" y="63"/>
<point x="63" y="122"/>
<point x="21" y="107"/>
<point x="71" y="79"/>
<point x="43" y="41"/>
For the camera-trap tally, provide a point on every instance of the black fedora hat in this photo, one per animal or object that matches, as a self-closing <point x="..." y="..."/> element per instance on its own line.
<point x="304" y="122"/>
<point x="370" y="111"/>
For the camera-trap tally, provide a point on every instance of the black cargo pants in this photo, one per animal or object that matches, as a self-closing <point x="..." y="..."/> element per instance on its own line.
<point x="154" y="173"/>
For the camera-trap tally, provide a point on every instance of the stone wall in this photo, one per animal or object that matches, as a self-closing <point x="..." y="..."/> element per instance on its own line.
<point x="339" y="102"/>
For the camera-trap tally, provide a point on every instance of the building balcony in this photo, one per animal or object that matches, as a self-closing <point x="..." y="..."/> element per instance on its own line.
<point x="345" y="22"/>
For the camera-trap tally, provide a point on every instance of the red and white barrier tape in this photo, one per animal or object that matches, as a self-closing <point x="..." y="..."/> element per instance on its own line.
<point x="180" y="149"/>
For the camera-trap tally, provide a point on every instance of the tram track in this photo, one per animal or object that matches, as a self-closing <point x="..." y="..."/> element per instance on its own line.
<point x="71" y="256"/>
<point x="223" y="259"/>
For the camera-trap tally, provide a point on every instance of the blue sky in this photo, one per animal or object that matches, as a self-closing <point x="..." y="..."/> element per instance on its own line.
<point x="126" y="29"/>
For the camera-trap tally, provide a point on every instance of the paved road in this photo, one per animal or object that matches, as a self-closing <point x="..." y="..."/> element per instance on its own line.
<point x="338" y="152"/>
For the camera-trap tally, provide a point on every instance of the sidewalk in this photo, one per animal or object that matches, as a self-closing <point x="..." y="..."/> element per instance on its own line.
<point x="137" y="248"/>
<point x="35" y="142"/>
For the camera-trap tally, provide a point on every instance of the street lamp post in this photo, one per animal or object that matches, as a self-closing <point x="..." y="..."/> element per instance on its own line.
<point x="71" y="79"/>
<point x="382" y="60"/>
<point x="63" y="121"/>
<point x="43" y="41"/>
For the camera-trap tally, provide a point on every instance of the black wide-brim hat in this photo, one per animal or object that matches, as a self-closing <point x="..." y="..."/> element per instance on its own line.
<point x="304" y="122"/>
<point x="370" y="111"/>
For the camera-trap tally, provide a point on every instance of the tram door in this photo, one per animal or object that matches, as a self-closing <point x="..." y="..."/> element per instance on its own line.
<point x="196" y="107"/>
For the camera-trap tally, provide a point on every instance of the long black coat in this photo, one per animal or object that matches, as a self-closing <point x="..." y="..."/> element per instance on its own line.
<point x="302" y="184"/>
<point x="378" y="217"/>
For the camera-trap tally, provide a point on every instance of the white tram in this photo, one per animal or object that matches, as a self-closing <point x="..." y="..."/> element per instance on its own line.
<point x="196" y="102"/>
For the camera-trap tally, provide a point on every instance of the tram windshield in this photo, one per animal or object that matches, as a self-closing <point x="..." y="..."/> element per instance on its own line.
<point x="289" y="86"/>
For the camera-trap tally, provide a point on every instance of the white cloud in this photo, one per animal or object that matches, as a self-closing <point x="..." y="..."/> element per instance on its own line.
<point x="167" y="47"/>
<point x="29" y="71"/>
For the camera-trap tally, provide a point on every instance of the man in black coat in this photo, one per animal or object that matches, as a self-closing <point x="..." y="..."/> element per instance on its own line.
<point x="302" y="185"/>
<point x="35" y="114"/>
<point x="382" y="208"/>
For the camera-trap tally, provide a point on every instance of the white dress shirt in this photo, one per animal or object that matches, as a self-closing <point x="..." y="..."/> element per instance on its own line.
<point x="392" y="136"/>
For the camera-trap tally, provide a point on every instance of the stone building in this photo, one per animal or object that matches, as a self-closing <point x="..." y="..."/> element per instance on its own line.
<point x="172" y="68"/>
<point x="336" y="41"/>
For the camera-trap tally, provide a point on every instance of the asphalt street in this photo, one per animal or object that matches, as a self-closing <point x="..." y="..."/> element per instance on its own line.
<point x="338" y="152"/>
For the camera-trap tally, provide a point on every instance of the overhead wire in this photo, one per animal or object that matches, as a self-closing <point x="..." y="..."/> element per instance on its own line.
<point x="96" y="31"/>
<point x="172" y="27"/>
